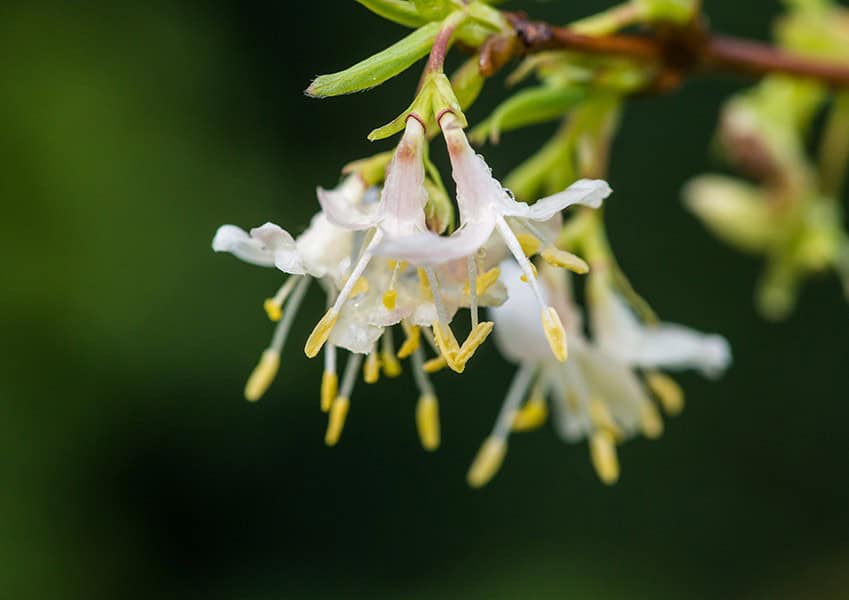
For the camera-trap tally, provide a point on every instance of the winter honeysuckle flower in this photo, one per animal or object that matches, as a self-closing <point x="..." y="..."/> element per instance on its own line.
<point x="596" y="395"/>
<point x="485" y="206"/>
<point x="319" y="252"/>
<point x="397" y="216"/>
<point x="618" y="332"/>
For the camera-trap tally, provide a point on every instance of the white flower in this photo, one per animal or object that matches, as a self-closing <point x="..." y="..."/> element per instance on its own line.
<point x="619" y="333"/>
<point x="485" y="207"/>
<point x="596" y="395"/>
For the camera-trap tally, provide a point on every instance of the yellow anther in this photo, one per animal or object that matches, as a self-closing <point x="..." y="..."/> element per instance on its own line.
<point x="336" y="420"/>
<point x="411" y="344"/>
<point x="603" y="456"/>
<point x="390" y="364"/>
<point x="484" y="282"/>
<point x="262" y="375"/>
<point x="427" y="421"/>
<point x="566" y="260"/>
<point x="448" y="346"/>
<point x="554" y="333"/>
<point x="329" y="388"/>
<point x="360" y="287"/>
<point x="487" y="462"/>
<point x="524" y="277"/>
<point x="320" y="333"/>
<point x="531" y="416"/>
<point x="669" y="393"/>
<point x="601" y="418"/>
<point x="273" y="309"/>
<point x="650" y="421"/>
<point x="473" y="342"/>
<point x="424" y="284"/>
<point x="390" y="299"/>
<point x="371" y="368"/>
<point x="530" y="244"/>
<point x="435" y="364"/>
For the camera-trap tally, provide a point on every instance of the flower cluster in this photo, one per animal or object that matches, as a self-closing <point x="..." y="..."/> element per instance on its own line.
<point x="396" y="271"/>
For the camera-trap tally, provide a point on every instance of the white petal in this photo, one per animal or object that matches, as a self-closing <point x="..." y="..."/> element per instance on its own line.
<point x="353" y="334"/>
<point x="588" y="192"/>
<point x="404" y="196"/>
<point x="324" y="246"/>
<point x="615" y="328"/>
<point x="672" y="346"/>
<point x="344" y="207"/>
<point x="430" y="249"/>
<point x="236" y="241"/>
<point x="519" y="335"/>
<point x="282" y="245"/>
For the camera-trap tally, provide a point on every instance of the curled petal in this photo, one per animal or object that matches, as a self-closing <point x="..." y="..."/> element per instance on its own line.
<point x="673" y="346"/>
<point x="344" y="209"/>
<point x="324" y="246"/>
<point x="237" y="242"/>
<point x="430" y="249"/>
<point x="588" y="192"/>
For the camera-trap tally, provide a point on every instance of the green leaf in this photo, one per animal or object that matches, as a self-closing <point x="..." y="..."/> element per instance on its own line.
<point x="467" y="82"/>
<point x="378" y="68"/>
<point x="434" y="10"/>
<point x="398" y="11"/>
<point x="528" y="107"/>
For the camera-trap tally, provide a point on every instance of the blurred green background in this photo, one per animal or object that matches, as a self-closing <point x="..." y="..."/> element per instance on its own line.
<point x="131" y="465"/>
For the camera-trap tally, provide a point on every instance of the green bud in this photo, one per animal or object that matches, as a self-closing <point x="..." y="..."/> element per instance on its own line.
<point x="398" y="11"/>
<point x="736" y="212"/>
<point x="778" y="289"/>
<point x="378" y="68"/>
<point x="528" y="107"/>
<point x="439" y="211"/>
<point x="371" y="169"/>
<point x="467" y="82"/>
<point x="674" y="11"/>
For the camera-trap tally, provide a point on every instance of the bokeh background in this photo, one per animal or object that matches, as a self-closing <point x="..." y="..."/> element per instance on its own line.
<point x="132" y="467"/>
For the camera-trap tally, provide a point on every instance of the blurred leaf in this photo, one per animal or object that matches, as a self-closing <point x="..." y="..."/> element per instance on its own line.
<point x="398" y="11"/>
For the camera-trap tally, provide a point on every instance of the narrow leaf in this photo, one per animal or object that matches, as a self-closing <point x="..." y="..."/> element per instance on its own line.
<point x="378" y="68"/>
<point x="398" y="11"/>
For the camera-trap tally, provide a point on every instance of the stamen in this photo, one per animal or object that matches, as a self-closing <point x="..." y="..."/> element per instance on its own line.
<point x="412" y="342"/>
<point x="329" y="380"/>
<point x="274" y="306"/>
<point x="435" y="364"/>
<point x="669" y="393"/>
<point x="601" y="417"/>
<point x="650" y="421"/>
<point x="530" y="244"/>
<point x="341" y="404"/>
<point x="603" y="456"/>
<point x="360" y="286"/>
<point x="262" y="375"/>
<point x="329" y="389"/>
<point x="487" y="462"/>
<point x="390" y="296"/>
<point x="566" y="260"/>
<point x="534" y="413"/>
<point x="427" y="409"/>
<point x="484" y="281"/>
<point x="554" y="333"/>
<point x="427" y="421"/>
<point x="321" y="332"/>
<point x="371" y="370"/>
<point x="534" y="274"/>
<point x="445" y="340"/>
<point x="424" y="284"/>
<point x="390" y="364"/>
<point x="473" y="342"/>
<point x="336" y="421"/>
<point x="323" y="328"/>
<point x="472" y="269"/>
<point x="494" y="448"/>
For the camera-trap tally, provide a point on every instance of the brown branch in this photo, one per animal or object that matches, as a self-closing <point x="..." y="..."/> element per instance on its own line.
<point x="676" y="52"/>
